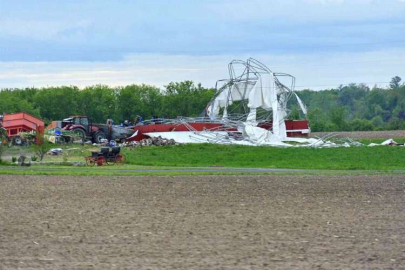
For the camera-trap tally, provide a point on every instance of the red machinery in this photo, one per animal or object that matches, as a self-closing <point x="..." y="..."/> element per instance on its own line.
<point x="21" y="122"/>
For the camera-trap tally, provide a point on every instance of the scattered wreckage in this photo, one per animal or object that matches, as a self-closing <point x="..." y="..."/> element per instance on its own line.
<point x="249" y="108"/>
<point x="84" y="129"/>
<point x="153" y="141"/>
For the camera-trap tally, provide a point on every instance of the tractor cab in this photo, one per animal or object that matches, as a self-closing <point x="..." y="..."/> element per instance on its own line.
<point x="84" y="121"/>
<point x="77" y="121"/>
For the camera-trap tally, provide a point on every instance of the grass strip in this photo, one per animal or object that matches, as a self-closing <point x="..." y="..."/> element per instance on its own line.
<point x="208" y="155"/>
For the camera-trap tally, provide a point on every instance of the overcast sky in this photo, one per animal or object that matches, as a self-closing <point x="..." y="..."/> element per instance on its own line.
<point x="323" y="43"/>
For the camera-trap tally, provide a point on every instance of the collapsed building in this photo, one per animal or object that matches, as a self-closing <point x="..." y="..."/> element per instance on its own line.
<point x="249" y="108"/>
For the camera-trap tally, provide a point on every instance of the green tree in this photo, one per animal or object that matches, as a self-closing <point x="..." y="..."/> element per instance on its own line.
<point x="317" y="120"/>
<point x="395" y="123"/>
<point x="337" y="117"/>
<point x="57" y="103"/>
<point x="395" y="82"/>
<point x="185" y="99"/>
<point x="98" y="102"/>
<point x="294" y="114"/>
<point x="360" y="125"/>
<point x="377" y="121"/>
<point x="143" y="100"/>
<point x="42" y="146"/>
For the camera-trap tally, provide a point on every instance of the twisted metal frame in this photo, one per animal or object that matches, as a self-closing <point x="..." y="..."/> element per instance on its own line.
<point x="252" y="70"/>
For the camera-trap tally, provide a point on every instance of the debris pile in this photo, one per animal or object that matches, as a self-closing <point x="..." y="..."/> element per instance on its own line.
<point x="249" y="108"/>
<point x="387" y="142"/>
<point x="55" y="151"/>
<point x="155" y="141"/>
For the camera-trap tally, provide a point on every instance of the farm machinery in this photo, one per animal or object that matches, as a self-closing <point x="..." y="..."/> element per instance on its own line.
<point x="97" y="133"/>
<point x="19" y="128"/>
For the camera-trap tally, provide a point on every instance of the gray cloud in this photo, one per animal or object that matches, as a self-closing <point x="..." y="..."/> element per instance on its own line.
<point x="84" y="42"/>
<point x="315" y="71"/>
<point x="104" y="30"/>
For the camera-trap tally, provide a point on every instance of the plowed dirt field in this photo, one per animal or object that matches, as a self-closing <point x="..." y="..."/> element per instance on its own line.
<point x="202" y="222"/>
<point x="386" y="134"/>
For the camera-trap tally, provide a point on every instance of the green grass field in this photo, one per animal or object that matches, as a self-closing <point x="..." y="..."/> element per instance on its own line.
<point x="379" y="158"/>
<point x="208" y="155"/>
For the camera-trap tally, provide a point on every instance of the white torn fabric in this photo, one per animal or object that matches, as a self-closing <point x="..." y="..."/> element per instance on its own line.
<point x="219" y="102"/>
<point x="386" y="142"/>
<point x="328" y="144"/>
<point x="261" y="136"/>
<point x="225" y="114"/>
<point x="263" y="94"/>
<point x="374" y="144"/>
<point x="251" y="118"/>
<point x="241" y="90"/>
<point x="260" y="94"/>
<point x="252" y="136"/>
<point x="323" y="144"/>
<point x="302" y="106"/>
<point x="189" y="136"/>
<point x="133" y="135"/>
<point x="389" y="142"/>
<point x="300" y="140"/>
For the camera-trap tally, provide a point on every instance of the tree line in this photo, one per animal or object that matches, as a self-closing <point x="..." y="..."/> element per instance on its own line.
<point x="353" y="107"/>
<point x="101" y="102"/>
<point x="356" y="107"/>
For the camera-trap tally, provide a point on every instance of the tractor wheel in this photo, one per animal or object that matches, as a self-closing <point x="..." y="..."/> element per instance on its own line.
<point x="17" y="140"/>
<point x="99" y="136"/>
<point x="120" y="158"/>
<point x="80" y="133"/>
<point x="110" y="161"/>
<point x="101" y="161"/>
<point x="90" y="161"/>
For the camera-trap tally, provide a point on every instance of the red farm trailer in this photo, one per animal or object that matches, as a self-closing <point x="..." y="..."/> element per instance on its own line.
<point x="21" y="122"/>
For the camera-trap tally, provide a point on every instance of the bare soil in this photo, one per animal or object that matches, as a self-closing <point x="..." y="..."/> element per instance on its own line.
<point x="386" y="134"/>
<point x="202" y="222"/>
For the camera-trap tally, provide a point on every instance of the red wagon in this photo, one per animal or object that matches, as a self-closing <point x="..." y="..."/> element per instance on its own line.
<point x="21" y="122"/>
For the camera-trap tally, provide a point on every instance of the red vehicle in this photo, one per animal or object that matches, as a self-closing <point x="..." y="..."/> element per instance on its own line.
<point x="83" y="126"/>
<point x="97" y="133"/>
<point x="16" y="123"/>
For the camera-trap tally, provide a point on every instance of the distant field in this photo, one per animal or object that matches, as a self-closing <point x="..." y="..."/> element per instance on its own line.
<point x="386" y="134"/>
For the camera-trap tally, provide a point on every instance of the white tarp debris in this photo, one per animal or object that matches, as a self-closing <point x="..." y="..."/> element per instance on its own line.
<point x="253" y="136"/>
<point x="389" y="142"/>
<point x="261" y="89"/>
<point x="189" y="136"/>
<point x="133" y="135"/>
<point x="263" y="96"/>
<point x="302" y="106"/>
<point x="386" y="142"/>
<point x="56" y="151"/>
